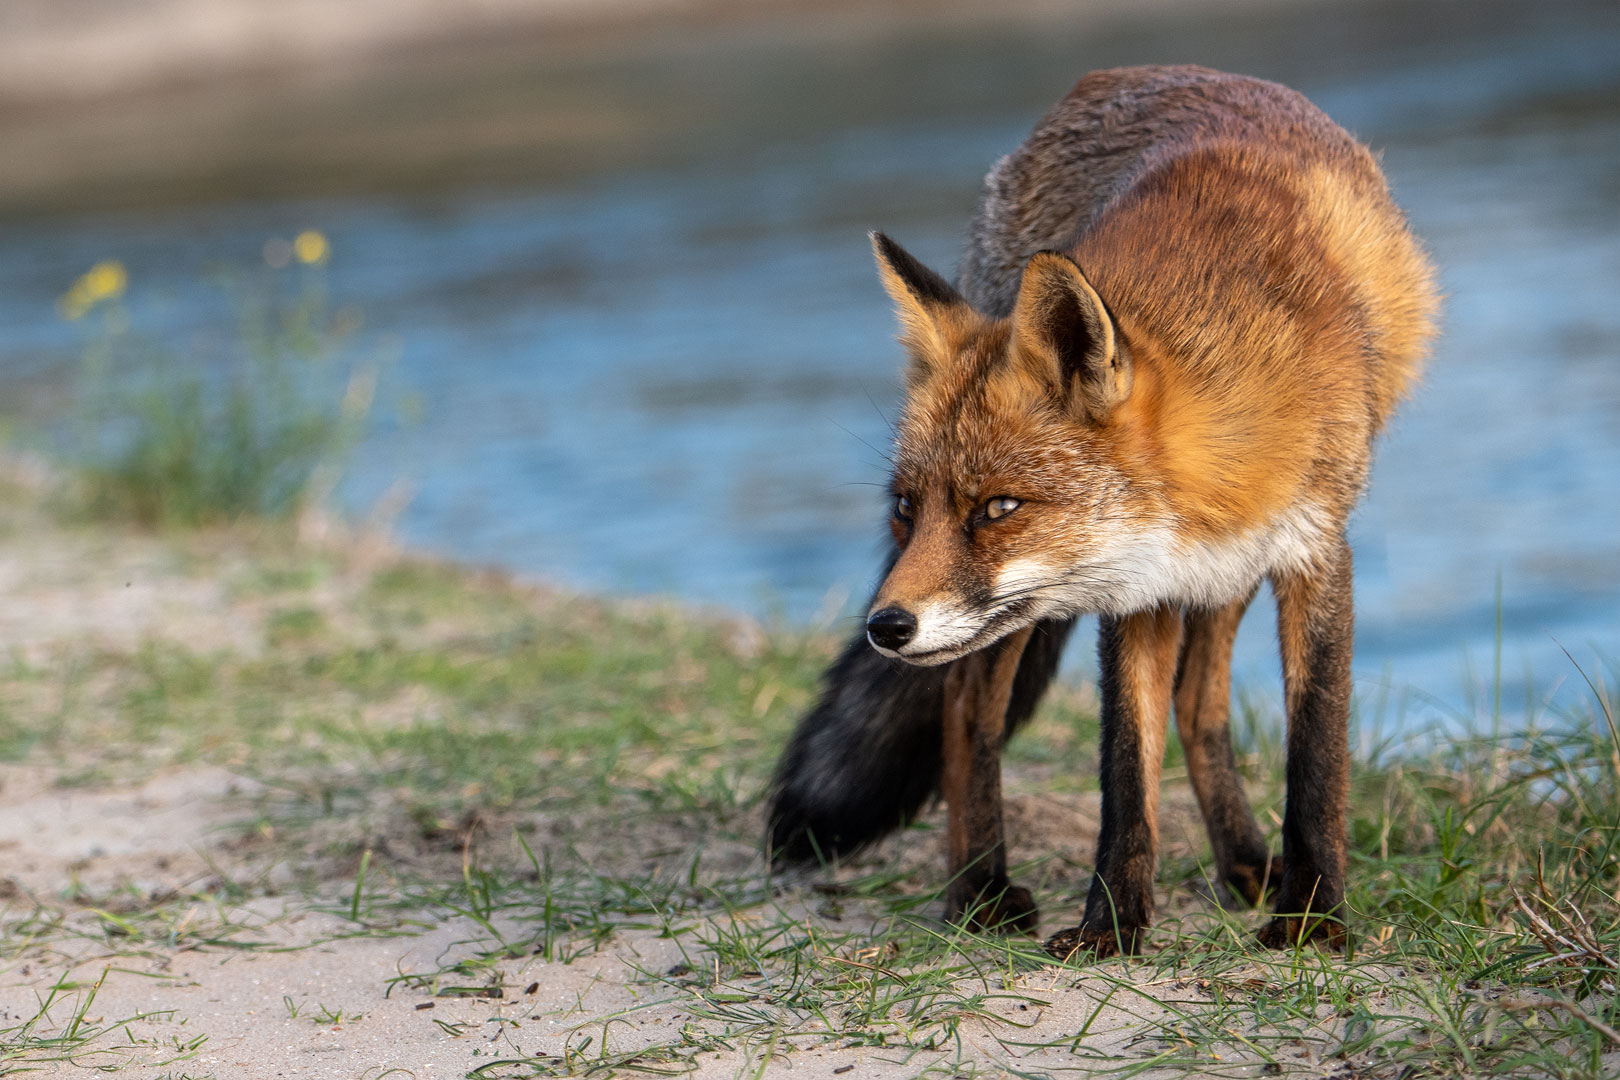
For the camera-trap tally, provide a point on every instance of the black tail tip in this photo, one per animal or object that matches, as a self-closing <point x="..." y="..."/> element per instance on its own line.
<point x="790" y="841"/>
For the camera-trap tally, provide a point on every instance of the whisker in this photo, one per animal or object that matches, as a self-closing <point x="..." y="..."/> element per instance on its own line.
<point x="1001" y="599"/>
<point x="880" y="453"/>
<point x="886" y="421"/>
<point x="1085" y="575"/>
<point x="1113" y="569"/>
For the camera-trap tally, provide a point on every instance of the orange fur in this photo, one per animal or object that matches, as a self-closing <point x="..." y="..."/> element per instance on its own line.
<point x="1152" y="643"/>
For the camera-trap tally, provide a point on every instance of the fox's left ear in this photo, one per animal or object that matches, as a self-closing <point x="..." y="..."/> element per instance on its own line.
<point x="924" y="302"/>
<point x="1062" y="329"/>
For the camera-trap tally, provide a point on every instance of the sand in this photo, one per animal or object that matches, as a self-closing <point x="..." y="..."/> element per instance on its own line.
<point x="327" y="1007"/>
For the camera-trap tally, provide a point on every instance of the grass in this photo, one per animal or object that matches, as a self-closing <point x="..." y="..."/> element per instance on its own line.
<point x="170" y="440"/>
<point x="62" y="1031"/>
<point x="566" y="779"/>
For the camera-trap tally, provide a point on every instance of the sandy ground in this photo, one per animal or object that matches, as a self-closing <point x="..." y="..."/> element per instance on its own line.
<point x="325" y="1008"/>
<point x="231" y="1013"/>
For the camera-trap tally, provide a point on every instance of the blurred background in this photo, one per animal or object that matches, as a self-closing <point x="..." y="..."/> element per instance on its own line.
<point x="596" y="275"/>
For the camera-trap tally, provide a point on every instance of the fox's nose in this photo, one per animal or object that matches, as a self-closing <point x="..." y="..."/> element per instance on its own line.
<point x="891" y="628"/>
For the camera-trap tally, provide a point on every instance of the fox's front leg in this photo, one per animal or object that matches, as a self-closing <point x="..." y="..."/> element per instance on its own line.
<point x="1316" y="628"/>
<point x="1203" y="701"/>
<point x="977" y="690"/>
<point x="1137" y="655"/>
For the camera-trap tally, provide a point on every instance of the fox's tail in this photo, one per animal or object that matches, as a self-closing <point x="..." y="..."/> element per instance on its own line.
<point x="866" y="758"/>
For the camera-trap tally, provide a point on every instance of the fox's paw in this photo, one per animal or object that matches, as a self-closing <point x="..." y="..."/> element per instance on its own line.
<point x="1007" y="910"/>
<point x="1096" y="943"/>
<point x="1291" y="931"/>
<point x="1254" y="882"/>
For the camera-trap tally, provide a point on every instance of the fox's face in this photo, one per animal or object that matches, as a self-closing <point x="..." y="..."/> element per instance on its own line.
<point x="1014" y="493"/>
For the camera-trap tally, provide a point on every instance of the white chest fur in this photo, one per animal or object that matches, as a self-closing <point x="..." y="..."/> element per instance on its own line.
<point x="1137" y="568"/>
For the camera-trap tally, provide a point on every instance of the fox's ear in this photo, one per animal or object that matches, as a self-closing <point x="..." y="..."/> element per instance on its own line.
<point x="1062" y="329"/>
<point x="921" y="297"/>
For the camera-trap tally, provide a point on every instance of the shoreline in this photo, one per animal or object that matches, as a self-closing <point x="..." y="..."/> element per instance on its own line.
<point x="265" y="107"/>
<point x="53" y="52"/>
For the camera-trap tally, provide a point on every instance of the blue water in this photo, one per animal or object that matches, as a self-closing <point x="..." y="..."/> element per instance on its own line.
<point x="674" y="378"/>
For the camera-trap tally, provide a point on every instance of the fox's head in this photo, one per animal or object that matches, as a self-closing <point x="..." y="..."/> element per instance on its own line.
<point x="1014" y="492"/>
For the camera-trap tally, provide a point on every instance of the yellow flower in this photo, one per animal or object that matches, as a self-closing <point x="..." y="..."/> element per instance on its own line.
<point x="104" y="281"/>
<point x="311" y="247"/>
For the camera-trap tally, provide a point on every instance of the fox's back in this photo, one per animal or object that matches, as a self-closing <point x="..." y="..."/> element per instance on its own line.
<point x="1120" y="133"/>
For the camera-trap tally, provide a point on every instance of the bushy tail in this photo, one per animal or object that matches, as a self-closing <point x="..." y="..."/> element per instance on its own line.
<point x="867" y="757"/>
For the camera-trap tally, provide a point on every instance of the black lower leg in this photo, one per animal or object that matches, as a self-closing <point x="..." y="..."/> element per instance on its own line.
<point x="1203" y="705"/>
<point x="1137" y="657"/>
<point x="977" y="691"/>
<point x="1316" y="624"/>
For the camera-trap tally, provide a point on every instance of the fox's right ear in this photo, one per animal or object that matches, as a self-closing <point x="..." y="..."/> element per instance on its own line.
<point x="1063" y="331"/>
<point x="922" y="299"/>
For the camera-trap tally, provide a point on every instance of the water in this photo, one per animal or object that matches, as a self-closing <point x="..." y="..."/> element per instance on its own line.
<point x="669" y="372"/>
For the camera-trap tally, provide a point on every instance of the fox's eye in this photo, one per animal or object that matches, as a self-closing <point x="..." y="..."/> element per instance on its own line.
<point x="1000" y="506"/>
<point x="902" y="507"/>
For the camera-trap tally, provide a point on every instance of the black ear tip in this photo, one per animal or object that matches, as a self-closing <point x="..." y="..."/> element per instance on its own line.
<point x="924" y="284"/>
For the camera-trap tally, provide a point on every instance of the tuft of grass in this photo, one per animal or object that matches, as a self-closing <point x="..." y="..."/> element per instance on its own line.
<point x="63" y="1031"/>
<point x="251" y="428"/>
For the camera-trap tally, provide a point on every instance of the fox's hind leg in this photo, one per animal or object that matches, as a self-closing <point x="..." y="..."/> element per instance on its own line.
<point x="978" y="689"/>
<point x="1137" y="654"/>
<point x="1316" y="625"/>
<point x="1203" y="703"/>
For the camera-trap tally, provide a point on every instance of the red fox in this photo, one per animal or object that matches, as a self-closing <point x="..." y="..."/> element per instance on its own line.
<point x="1187" y="307"/>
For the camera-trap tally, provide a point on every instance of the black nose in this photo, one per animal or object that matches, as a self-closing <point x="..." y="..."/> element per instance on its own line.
<point x="891" y="628"/>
